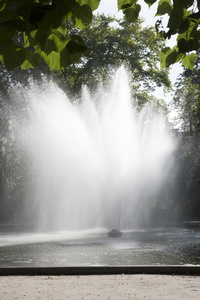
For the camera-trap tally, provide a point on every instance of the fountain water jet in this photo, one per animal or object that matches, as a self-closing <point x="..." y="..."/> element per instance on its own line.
<point x="93" y="164"/>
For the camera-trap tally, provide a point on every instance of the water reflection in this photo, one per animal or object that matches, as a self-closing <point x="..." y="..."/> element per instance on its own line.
<point x="172" y="246"/>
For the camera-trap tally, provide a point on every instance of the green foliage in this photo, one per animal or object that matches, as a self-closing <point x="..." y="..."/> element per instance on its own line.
<point x="114" y="42"/>
<point x="187" y="180"/>
<point x="150" y="2"/>
<point x="41" y="20"/>
<point x="164" y="7"/>
<point x="189" y="102"/>
<point x="189" y="60"/>
<point x="168" y="56"/>
<point x="187" y="98"/>
<point x="184" y="22"/>
<point x="123" y="4"/>
<point x="130" y="8"/>
<point x="132" y="13"/>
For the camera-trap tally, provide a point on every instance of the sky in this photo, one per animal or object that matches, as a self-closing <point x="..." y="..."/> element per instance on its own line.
<point x="110" y="7"/>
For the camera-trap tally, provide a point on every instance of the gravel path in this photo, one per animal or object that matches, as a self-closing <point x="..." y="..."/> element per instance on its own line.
<point x="108" y="287"/>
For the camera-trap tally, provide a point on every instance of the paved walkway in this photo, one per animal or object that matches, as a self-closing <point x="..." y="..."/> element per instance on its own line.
<point x="108" y="287"/>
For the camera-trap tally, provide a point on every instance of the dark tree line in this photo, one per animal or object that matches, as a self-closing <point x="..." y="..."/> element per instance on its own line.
<point x="185" y="196"/>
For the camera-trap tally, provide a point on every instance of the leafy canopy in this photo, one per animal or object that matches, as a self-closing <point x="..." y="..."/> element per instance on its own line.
<point x="183" y="21"/>
<point x="45" y="35"/>
<point x="114" y="42"/>
<point x="41" y="22"/>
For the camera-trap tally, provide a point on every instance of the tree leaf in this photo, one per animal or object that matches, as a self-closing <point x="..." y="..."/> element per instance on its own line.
<point x="175" y="20"/>
<point x="132" y="13"/>
<point x="32" y="60"/>
<point x="168" y="57"/>
<point x="7" y="15"/>
<point x="171" y="58"/>
<point x="163" y="54"/>
<point x="122" y="4"/>
<point x="40" y="37"/>
<point x="68" y="8"/>
<point x="92" y="3"/>
<point x="70" y="54"/>
<point x="11" y="55"/>
<point x="82" y="16"/>
<point x="164" y="7"/>
<point x="73" y="47"/>
<point x="30" y="39"/>
<point x="150" y="2"/>
<point x="6" y="34"/>
<point x="55" y="42"/>
<point x="52" y="60"/>
<point x="14" y="25"/>
<point x="185" y="26"/>
<point x="189" y="60"/>
<point x="16" y="4"/>
<point x="183" y="3"/>
<point x="61" y="60"/>
<point x="188" y="30"/>
<point x="188" y="45"/>
<point x="51" y="19"/>
<point x="45" y="2"/>
<point x="2" y="4"/>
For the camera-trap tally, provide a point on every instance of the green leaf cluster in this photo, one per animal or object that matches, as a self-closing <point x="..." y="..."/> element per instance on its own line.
<point x="183" y="21"/>
<point x="41" y="23"/>
<point x="130" y="9"/>
<point x="45" y="36"/>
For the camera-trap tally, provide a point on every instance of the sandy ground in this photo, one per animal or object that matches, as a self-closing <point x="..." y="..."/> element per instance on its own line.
<point x="112" y="287"/>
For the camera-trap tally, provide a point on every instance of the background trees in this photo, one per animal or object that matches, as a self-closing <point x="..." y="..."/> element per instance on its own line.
<point x="114" y="42"/>
<point x="187" y="158"/>
<point x="187" y="99"/>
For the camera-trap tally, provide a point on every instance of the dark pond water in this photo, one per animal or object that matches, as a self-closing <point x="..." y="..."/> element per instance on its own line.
<point x="171" y="246"/>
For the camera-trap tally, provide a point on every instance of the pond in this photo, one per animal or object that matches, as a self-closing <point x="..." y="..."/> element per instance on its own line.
<point x="163" y="246"/>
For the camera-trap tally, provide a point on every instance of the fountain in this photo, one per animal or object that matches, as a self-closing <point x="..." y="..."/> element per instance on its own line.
<point x="96" y="163"/>
<point x="72" y="173"/>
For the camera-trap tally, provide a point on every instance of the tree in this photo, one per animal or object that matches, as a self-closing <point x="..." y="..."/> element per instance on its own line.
<point x="185" y="192"/>
<point x="187" y="99"/>
<point x="41" y="22"/>
<point x="114" y="42"/>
